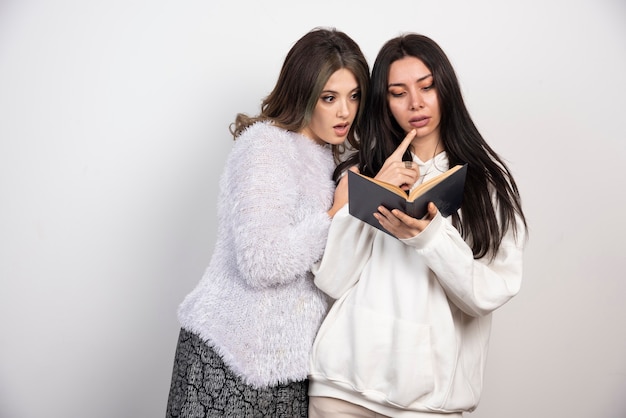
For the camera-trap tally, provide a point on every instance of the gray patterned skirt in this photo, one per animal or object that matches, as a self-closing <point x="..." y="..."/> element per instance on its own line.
<point x="203" y="386"/>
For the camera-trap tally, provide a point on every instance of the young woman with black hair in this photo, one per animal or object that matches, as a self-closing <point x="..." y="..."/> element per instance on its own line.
<point x="407" y="335"/>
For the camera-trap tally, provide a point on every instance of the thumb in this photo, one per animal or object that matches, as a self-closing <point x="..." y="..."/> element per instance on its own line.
<point x="432" y="210"/>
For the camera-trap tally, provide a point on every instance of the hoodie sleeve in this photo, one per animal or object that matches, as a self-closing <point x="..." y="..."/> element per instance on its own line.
<point x="477" y="287"/>
<point x="348" y="250"/>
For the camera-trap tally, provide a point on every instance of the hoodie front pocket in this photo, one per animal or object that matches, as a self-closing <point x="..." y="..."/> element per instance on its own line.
<point x="377" y="355"/>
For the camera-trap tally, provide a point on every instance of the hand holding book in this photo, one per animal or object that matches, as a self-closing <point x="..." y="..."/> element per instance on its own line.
<point x="401" y="225"/>
<point x="366" y="194"/>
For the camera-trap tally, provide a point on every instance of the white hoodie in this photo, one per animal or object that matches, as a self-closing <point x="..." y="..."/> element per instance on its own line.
<point x="408" y="333"/>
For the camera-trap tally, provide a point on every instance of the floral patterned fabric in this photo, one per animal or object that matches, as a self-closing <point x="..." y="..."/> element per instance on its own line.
<point x="202" y="386"/>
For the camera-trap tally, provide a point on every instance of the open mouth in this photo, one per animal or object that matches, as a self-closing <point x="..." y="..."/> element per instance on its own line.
<point x="342" y="129"/>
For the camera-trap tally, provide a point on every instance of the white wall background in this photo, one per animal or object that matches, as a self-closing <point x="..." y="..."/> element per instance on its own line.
<point x="113" y="131"/>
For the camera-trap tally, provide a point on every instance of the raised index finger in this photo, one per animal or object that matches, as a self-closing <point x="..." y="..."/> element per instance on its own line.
<point x="404" y="145"/>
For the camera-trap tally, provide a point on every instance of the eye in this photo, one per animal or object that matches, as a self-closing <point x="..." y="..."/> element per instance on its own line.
<point x="428" y="87"/>
<point x="396" y="93"/>
<point x="328" y="98"/>
<point x="356" y="96"/>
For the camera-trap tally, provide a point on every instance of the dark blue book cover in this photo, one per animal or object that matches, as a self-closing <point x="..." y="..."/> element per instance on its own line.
<point x="365" y="195"/>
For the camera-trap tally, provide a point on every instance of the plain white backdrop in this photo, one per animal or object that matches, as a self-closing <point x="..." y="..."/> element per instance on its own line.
<point x="113" y="131"/>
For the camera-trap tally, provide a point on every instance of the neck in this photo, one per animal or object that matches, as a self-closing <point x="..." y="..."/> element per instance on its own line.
<point x="426" y="148"/>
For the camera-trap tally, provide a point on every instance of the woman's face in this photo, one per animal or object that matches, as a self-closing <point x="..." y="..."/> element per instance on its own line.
<point x="413" y="99"/>
<point x="335" y="110"/>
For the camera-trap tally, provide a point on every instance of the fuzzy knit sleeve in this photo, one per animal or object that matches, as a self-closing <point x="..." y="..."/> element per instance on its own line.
<point x="276" y="191"/>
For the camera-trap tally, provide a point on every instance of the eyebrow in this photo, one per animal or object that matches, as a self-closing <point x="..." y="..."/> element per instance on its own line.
<point x="336" y="92"/>
<point x="417" y="81"/>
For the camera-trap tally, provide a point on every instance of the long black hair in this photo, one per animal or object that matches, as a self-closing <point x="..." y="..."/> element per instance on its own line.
<point x="487" y="174"/>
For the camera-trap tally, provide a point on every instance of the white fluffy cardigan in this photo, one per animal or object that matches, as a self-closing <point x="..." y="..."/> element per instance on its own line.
<point x="256" y="304"/>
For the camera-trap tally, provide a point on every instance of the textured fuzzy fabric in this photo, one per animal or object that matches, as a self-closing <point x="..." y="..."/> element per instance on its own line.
<point x="256" y="304"/>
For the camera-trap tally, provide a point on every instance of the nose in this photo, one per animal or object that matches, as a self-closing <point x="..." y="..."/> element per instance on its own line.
<point x="416" y="101"/>
<point x="343" y="110"/>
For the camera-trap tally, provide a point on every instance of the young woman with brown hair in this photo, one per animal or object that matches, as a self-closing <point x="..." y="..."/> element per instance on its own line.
<point x="248" y="326"/>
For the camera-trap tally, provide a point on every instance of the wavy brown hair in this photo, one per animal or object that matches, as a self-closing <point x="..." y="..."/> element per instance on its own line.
<point x="309" y="64"/>
<point x="487" y="173"/>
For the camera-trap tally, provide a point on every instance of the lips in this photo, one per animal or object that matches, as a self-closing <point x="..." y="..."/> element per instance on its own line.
<point x="419" y="121"/>
<point x="342" y="129"/>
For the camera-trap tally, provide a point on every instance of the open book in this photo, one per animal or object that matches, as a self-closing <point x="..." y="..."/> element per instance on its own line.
<point x="366" y="194"/>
